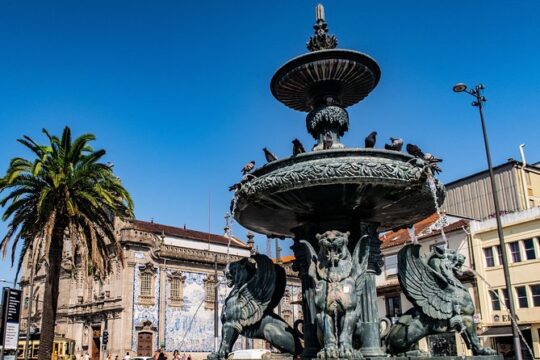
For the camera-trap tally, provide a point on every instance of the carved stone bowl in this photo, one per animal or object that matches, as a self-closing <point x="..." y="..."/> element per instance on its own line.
<point x="345" y="75"/>
<point x="337" y="187"/>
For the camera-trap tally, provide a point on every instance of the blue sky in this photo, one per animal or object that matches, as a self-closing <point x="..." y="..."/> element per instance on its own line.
<point x="178" y="92"/>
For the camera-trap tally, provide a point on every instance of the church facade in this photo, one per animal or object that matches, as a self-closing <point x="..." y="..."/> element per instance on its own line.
<point x="163" y="298"/>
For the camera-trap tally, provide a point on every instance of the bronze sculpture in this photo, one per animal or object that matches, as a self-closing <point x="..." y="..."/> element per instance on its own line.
<point x="441" y="302"/>
<point x="338" y="278"/>
<point x="257" y="287"/>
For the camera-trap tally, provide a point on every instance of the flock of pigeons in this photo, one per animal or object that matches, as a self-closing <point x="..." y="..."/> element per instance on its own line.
<point x="396" y="144"/>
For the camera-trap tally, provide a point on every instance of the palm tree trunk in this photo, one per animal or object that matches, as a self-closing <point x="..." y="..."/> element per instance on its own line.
<point x="50" y="297"/>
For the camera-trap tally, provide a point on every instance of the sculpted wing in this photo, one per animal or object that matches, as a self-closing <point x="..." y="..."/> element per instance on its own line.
<point x="256" y="295"/>
<point x="360" y="265"/>
<point x="422" y="286"/>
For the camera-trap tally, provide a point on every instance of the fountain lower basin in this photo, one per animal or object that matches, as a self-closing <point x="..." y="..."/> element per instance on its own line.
<point x="336" y="187"/>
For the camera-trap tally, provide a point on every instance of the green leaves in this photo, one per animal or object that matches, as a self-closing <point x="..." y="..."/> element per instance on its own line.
<point x="64" y="188"/>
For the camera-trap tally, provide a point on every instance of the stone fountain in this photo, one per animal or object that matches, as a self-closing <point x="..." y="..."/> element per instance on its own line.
<point x="333" y="201"/>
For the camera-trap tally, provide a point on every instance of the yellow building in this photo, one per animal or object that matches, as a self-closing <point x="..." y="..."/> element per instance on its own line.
<point x="522" y="240"/>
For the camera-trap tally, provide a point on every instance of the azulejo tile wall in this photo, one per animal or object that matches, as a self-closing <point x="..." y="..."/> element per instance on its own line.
<point x="141" y="312"/>
<point x="190" y="327"/>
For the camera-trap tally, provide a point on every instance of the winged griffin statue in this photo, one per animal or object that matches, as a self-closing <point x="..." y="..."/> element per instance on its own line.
<point x="338" y="278"/>
<point x="257" y="287"/>
<point x="441" y="302"/>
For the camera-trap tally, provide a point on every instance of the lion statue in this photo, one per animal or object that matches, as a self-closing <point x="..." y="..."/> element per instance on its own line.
<point x="338" y="278"/>
<point x="257" y="287"/>
<point x="441" y="302"/>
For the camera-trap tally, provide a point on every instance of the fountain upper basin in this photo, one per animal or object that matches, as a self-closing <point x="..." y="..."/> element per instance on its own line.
<point x="337" y="187"/>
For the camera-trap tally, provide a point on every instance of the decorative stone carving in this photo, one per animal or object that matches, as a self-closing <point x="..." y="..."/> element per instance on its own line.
<point x="441" y="302"/>
<point x="338" y="278"/>
<point x="321" y="40"/>
<point x="257" y="287"/>
<point x="326" y="118"/>
<point x="146" y="325"/>
<point x="331" y="170"/>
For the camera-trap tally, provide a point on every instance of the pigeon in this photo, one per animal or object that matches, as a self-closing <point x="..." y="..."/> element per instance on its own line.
<point x="269" y="156"/>
<point x="432" y="162"/>
<point x="371" y="139"/>
<point x="395" y="144"/>
<point x="327" y="141"/>
<point x="431" y="159"/>
<point x="298" y="148"/>
<point x="235" y="187"/>
<point x="415" y="151"/>
<point x="248" y="167"/>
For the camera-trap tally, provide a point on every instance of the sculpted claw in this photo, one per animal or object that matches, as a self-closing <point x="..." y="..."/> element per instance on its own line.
<point x="346" y="352"/>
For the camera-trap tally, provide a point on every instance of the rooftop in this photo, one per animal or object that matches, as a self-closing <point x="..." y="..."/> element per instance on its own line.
<point x="184" y="233"/>
<point x="508" y="163"/>
<point x="423" y="229"/>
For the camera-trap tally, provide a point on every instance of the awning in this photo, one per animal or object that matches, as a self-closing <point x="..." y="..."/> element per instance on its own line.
<point x="500" y="331"/>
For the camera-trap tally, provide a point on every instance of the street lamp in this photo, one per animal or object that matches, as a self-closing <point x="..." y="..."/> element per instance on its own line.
<point x="480" y="99"/>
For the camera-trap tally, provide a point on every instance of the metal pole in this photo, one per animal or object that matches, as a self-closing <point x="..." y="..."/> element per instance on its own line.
<point x="30" y="299"/>
<point x="515" y="331"/>
<point x="216" y="315"/>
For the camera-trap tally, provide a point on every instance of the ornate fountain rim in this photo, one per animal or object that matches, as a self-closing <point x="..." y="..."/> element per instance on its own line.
<point x="337" y="166"/>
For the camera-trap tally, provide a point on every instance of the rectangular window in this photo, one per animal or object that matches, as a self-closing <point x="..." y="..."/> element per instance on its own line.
<point x="175" y="289"/>
<point x="521" y="292"/>
<point x="393" y="306"/>
<point x="515" y="251"/>
<point x="146" y="284"/>
<point x="535" y="291"/>
<point x="209" y="287"/>
<point x="529" y="249"/>
<point x="499" y="254"/>
<point x="505" y="296"/>
<point x="495" y="302"/>
<point x="488" y="254"/>
<point x="390" y="265"/>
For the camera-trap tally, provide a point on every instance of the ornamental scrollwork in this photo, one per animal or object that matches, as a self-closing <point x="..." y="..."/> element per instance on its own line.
<point x="329" y="171"/>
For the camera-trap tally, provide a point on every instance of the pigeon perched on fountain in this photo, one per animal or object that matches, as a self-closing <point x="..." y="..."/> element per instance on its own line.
<point x="370" y="140"/>
<point x="298" y="148"/>
<point x="415" y="151"/>
<point x="432" y="162"/>
<point x="328" y="141"/>
<point x="431" y="159"/>
<point x="248" y="167"/>
<point x="395" y="144"/>
<point x="269" y="155"/>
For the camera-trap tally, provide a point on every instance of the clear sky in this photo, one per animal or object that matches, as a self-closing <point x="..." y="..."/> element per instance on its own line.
<point x="177" y="92"/>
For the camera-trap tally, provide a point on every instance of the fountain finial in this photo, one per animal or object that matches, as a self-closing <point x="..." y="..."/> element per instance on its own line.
<point x="321" y="40"/>
<point x="319" y="12"/>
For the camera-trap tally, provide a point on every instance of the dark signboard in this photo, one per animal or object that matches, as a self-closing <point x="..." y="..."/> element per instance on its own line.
<point x="11" y="311"/>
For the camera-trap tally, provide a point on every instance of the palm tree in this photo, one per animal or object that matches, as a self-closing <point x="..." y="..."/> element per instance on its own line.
<point x="62" y="194"/>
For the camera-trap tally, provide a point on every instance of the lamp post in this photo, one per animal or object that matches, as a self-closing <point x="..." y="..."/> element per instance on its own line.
<point x="479" y="100"/>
